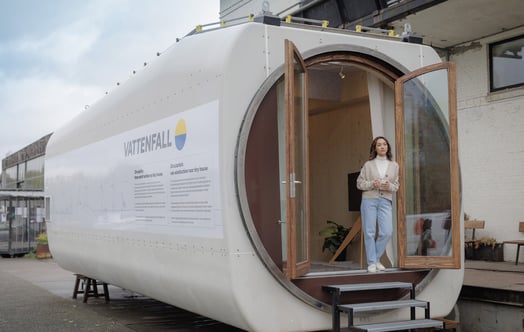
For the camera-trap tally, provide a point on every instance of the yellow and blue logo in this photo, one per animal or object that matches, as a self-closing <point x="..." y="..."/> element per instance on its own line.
<point x="180" y="134"/>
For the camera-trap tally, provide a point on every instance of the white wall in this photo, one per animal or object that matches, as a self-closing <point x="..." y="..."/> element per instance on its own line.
<point x="491" y="144"/>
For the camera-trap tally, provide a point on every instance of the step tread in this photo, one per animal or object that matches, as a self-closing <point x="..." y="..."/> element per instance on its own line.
<point x="367" y="286"/>
<point x="395" y="326"/>
<point x="382" y="305"/>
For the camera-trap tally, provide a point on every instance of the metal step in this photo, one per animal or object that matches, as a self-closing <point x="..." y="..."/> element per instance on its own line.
<point x="383" y="305"/>
<point x="368" y="286"/>
<point x="396" y="326"/>
<point x="337" y="290"/>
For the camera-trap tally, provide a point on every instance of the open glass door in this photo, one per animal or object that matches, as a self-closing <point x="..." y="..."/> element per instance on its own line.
<point x="297" y="202"/>
<point x="427" y="152"/>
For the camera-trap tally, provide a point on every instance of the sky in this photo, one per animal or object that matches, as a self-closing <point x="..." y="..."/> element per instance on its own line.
<point x="59" y="56"/>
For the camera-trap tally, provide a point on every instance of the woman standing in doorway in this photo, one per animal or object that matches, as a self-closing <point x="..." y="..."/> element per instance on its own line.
<point x="378" y="180"/>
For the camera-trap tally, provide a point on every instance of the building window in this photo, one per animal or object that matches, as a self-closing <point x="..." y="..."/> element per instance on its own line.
<point x="34" y="177"/>
<point x="21" y="173"/>
<point x="11" y="177"/>
<point x="506" y="64"/>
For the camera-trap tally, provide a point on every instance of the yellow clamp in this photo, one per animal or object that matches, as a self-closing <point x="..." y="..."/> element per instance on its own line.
<point x="391" y="33"/>
<point x="222" y="23"/>
<point x="358" y="28"/>
<point x="251" y="17"/>
<point x="198" y="28"/>
<point x="288" y="19"/>
<point x="325" y="23"/>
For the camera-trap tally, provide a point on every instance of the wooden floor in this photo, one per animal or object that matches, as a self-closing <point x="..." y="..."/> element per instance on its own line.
<point x="318" y="267"/>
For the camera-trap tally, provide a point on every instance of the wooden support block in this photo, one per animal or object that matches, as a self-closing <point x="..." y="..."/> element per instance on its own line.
<point x="79" y="278"/>
<point x="89" y="288"/>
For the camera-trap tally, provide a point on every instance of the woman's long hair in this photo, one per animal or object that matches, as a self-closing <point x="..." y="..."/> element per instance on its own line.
<point x="373" y="149"/>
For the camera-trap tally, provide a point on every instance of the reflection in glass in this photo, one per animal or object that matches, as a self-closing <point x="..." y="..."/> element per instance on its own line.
<point x="34" y="178"/>
<point x="26" y="175"/>
<point x="507" y="64"/>
<point x="21" y="172"/>
<point x="10" y="177"/>
<point x="282" y="170"/>
<point x="300" y="166"/>
<point x="427" y="165"/>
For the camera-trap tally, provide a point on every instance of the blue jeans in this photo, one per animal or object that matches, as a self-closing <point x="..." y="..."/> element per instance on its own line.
<point x="376" y="210"/>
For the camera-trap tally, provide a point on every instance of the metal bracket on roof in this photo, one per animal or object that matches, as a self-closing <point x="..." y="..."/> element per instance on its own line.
<point x="266" y="16"/>
<point x="323" y="23"/>
<point x="387" y="32"/>
<point x="409" y="37"/>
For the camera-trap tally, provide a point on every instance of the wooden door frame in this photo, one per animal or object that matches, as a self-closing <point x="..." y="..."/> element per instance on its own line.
<point x="406" y="260"/>
<point x="293" y="59"/>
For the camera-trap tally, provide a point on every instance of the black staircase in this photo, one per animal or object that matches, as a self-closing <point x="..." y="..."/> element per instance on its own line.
<point x="412" y="303"/>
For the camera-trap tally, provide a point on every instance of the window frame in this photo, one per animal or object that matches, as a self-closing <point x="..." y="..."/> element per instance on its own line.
<point x="405" y="259"/>
<point x="491" y="69"/>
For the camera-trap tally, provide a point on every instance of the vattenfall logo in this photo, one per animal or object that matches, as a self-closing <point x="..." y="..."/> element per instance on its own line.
<point x="180" y="134"/>
<point x="157" y="141"/>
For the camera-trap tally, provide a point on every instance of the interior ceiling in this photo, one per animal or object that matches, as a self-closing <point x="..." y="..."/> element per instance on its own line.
<point x="326" y="91"/>
<point x="441" y="23"/>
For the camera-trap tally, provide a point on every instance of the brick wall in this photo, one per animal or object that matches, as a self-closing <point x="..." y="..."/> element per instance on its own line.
<point x="491" y="143"/>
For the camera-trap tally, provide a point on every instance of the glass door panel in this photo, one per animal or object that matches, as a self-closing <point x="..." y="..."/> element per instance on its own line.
<point x="428" y="199"/>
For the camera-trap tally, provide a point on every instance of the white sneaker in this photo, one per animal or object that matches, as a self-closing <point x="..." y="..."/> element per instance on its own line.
<point x="372" y="268"/>
<point x="381" y="267"/>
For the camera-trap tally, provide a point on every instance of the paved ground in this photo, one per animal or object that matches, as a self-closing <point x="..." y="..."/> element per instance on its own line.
<point x="35" y="295"/>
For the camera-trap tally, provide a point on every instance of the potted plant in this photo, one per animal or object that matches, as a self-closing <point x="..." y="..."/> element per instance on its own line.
<point x="485" y="248"/>
<point x="334" y="234"/>
<point x="42" y="246"/>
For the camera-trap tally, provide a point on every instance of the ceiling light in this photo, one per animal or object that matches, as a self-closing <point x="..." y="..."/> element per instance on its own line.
<point x="341" y="74"/>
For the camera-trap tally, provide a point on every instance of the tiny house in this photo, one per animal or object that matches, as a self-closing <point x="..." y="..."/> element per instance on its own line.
<point x="204" y="180"/>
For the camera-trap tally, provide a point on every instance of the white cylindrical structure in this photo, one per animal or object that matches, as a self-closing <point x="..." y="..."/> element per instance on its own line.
<point x="144" y="190"/>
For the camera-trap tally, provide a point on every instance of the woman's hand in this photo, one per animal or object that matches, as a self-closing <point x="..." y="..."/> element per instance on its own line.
<point x="384" y="185"/>
<point x="376" y="184"/>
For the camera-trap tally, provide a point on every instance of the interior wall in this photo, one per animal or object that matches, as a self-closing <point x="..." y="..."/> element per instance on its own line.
<point x="382" y="109"/>
<point x="338" y="141"/>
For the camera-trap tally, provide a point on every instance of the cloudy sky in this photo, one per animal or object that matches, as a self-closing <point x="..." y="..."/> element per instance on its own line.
<point x="57" y="56"/>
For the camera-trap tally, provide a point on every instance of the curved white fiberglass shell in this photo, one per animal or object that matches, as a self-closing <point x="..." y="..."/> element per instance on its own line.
<point x="114" y="172"/>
